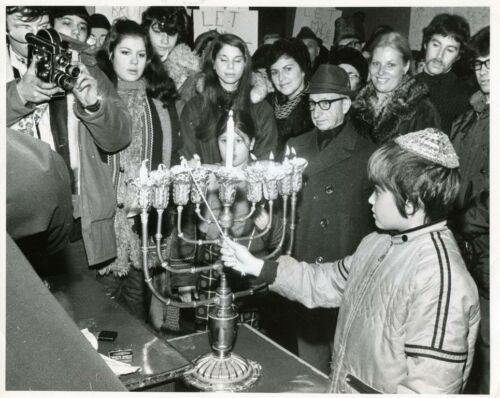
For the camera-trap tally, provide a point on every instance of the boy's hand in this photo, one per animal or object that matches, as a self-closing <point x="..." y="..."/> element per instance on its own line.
<point x="238" y="257"/>
<point x="187" y="293"/>
<point x="85" y="89"/>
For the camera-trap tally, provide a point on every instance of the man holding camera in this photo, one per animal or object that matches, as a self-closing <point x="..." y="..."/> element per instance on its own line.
<point x="82" y="125"/>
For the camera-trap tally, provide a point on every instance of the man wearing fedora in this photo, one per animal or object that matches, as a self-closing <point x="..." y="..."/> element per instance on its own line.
<point x="333" y="211"/>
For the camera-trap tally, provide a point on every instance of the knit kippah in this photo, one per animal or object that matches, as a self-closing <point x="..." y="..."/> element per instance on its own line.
<point x="431" y="144"/>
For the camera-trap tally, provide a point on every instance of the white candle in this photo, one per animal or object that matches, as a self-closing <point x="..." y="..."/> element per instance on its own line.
<point x="230" y="140"/>
<point x="143" y="173"/>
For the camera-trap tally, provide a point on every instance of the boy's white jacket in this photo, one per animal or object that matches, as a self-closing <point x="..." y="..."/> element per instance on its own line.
<point x="409" y="312"/>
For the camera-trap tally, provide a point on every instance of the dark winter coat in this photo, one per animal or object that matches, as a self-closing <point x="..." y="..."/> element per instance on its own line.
<point x="449" y="95"/>
<point x="333" y="211"/>
<point x="409" y="109"/>
<point x="470" y="135"/>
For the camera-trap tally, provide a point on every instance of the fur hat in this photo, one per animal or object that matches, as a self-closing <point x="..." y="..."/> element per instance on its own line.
<point x="99" y="21"/>
<point x="306" y="33"/>
<point x="349" y="27"/>
<point x="350" y="56"/>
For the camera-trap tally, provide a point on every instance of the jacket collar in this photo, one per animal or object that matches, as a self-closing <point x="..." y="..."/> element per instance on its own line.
<point x="414" y="233"/>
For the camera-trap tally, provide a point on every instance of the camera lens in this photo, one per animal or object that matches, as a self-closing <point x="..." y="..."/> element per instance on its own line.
<point x="72" y="70"/>
<point x="64" y="81"/>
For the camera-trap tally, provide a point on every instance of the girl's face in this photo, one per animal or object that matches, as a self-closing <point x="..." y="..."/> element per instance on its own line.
<point x="287" y="76"/>
<point x="385" y="211"/>
<point x="387" y="69"/>
<point x="242" y="148"/>
<point x="229" y="66"/>
<point x="129" y="58"/>
<point x="161" y="41"/>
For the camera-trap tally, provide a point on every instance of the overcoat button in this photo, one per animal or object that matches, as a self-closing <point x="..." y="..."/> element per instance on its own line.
<point x="324" y="222"/>
<point x="319" y="259"/>
<point x="298" y="220"/>
<point x="329" y="189"/>
<point x="482" y="171"/>
<point x="120" y="205"/>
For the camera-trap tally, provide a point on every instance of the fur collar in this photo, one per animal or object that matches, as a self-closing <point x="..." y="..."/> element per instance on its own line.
<point x="402" y="105"/>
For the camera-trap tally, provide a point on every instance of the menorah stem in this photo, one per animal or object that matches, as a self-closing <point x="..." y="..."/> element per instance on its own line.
<point x="264" y="231"/>
<point x="158" y="236"/>
<point x="284" y="222"/>
<point x="292" y="223"/>
<point x="250" y="213"/>
<point x="180" y="234"/>
<point x="200" y="216"/>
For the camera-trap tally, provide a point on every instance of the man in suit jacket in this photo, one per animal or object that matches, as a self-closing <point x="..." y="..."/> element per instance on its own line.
<point x="333" y="210"/>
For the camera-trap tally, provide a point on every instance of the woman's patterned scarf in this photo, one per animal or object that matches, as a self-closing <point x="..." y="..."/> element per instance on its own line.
<point x="282" y="111"/>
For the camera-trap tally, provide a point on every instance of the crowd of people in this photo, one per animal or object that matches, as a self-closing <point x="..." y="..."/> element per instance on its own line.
<point x="387" y="288"/>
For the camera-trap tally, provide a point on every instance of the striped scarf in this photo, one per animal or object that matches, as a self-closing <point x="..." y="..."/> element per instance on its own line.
<point x="284" y="110"/>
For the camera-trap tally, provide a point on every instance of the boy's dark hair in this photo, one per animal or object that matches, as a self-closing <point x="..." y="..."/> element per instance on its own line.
<point x="455" y="26"/>
<point x="291" y="48"/>
<point x="242" y="121"/>
<point x="412" y="178"/>
<point x="261" y="56"/>
<point x="480" y="43"/>
<point x="174" y="20"/>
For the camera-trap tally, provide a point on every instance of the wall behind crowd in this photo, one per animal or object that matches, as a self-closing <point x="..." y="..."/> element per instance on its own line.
<point x="407" y="20"/>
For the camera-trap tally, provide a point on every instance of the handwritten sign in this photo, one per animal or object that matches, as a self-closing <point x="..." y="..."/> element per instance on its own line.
<point x="239" y="21"/>
<point x="115" y="12"/>
<point x="321" y="20"/>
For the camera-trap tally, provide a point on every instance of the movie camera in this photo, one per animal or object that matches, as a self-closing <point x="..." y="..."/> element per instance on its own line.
<point x="53" y="59"/>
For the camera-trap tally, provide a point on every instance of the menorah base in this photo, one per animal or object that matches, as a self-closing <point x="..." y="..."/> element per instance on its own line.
<point x="232" y="373"/>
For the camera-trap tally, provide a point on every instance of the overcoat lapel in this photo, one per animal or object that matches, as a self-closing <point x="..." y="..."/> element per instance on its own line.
<point x="339" y="149"/>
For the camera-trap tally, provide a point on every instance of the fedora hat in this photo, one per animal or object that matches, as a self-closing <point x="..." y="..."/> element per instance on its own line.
<point x="330" y="79"/>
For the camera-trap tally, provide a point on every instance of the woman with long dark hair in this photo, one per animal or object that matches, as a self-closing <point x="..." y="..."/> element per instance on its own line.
<point x="128" y="59"/>
<point x="227" y="83"/>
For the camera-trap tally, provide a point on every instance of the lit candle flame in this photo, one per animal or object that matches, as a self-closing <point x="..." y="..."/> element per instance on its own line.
<point x="287" y="151"/>
<point x="271" y="156"/>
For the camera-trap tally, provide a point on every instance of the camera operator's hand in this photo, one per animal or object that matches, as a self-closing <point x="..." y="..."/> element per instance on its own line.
<point x="34" y="90"/>
<point x="239" y="258"/>
<point x="85" y="90"/>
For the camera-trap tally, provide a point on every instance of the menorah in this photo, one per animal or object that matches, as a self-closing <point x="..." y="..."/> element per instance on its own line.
<point x="265" y="181"/>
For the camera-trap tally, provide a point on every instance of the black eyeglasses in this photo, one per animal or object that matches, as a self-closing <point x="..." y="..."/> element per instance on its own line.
<point x="324" y="105"/>
<point x="477" y="64"/>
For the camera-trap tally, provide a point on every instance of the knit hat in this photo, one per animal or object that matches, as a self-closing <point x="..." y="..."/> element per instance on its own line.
<point x="79" y="11"/>
<point x="99" y="21"/>
<point x="431" y="144"/>
<point x="330" y="79"/>
<point x="350" y="56"/>
<point x="349" y="27"/>
<point x="306" y="33"/>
